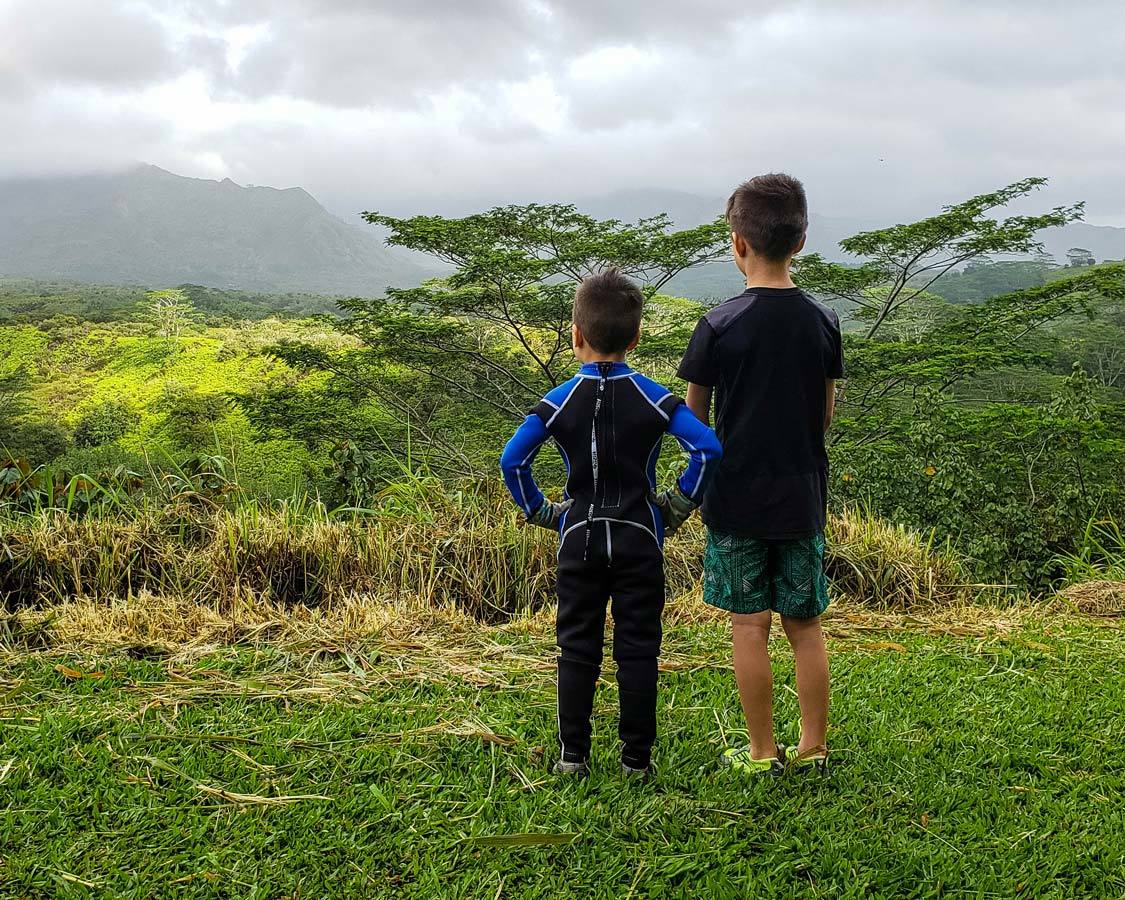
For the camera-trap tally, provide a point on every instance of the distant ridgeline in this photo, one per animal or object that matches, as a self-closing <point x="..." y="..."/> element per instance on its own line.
<point x="31" y="301"/>
<point x="147" y="226"/>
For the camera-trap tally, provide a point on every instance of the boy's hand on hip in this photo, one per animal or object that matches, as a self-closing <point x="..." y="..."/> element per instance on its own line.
<point x="675" y="508"/>
<point x="550" y="514"/>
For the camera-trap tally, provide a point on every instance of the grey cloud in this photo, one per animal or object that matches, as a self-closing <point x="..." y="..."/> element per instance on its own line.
<point x="885" y="109"/>
<point x="639" y="21"/>
<point x="65" y="135"/>
<point x="108" y="45"/>
<point x="353" y="54"/>
<point x="374" y="62"/>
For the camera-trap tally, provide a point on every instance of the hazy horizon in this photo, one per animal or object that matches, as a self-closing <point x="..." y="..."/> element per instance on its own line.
<point x="885" y="113"/>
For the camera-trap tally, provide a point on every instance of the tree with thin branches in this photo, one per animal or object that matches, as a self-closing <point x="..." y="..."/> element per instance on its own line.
<point x="902" y="262"/>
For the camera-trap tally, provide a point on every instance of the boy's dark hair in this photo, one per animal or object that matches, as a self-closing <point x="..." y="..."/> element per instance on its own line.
<point x="607" y="310"/>
<point x="770" y="213"/>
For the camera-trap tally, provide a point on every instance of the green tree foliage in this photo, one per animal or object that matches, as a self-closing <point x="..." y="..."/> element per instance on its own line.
<point x="191" y="417"/>
<point x="907" y="260"/>
<point x="38" y="440"/>
<point x="1011" y="482"/>
<point x="35" y="301"/>
<point x="454" y="359"/>
<point x="981" y="280"/>
<point x="967" y="341"/>
<point x="498" y="329"/>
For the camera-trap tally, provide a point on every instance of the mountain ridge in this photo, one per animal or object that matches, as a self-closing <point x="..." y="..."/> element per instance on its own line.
<point x="146" y="225"/>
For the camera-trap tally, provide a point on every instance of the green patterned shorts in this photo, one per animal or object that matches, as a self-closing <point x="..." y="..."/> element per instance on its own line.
<point x="750" y="575"/>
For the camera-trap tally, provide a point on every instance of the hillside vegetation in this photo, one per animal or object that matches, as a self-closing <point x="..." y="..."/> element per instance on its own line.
<point x="270" y="626"/>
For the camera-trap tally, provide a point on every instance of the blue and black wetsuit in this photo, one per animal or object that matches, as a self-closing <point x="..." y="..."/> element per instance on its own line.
<point x="608" y="423"/>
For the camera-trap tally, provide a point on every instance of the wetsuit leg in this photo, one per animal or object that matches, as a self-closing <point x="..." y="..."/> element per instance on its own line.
<point x="637" y="587"/>
<point x="583" y="591"/>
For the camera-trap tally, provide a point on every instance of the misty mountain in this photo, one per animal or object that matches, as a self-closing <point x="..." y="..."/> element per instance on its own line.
<point x="147" y="226"/>
<point x="150" y="227"/>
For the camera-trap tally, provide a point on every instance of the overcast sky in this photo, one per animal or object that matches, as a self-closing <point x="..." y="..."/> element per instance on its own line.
<point x="883" y="108"/>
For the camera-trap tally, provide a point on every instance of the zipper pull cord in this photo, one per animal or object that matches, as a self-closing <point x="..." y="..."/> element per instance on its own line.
<point x="604" y="370"/>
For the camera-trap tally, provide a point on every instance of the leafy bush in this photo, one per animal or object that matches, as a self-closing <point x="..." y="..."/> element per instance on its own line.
<point x="105" y="423"/>
<point x="105" y="458"/>
<point x="191" y="417"/>
<point x="1012" y="487"/>
<point x="39" y="440"/>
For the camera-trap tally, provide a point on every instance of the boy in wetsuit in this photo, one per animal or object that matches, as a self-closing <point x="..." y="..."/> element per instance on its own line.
<point x="608" y="422"/>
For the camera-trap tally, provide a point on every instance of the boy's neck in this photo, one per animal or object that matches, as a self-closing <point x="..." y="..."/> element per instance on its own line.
<point x="594" y="357"/>
<point x="767" y="274"/>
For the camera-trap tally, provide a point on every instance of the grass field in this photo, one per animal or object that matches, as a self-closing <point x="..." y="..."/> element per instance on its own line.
<point x="406" y="754"/>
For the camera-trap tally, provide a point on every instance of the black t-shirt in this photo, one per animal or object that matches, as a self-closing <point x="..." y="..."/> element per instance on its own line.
<point x="767" y="353"/>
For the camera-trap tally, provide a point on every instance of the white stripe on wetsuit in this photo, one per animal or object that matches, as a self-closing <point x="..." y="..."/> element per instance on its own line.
<point x="524" y="469"/>
<point x="649" y="400"/>
<point x="643" y="528"/>
<point x="566" y="400"/>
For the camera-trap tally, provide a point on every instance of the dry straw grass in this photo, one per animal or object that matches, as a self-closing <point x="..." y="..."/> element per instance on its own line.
<point x="1096" y="598"/>
<point x="491" y="568"/>
<point x="887" y="565"/>
<point x="477" y="558"/>
<point x="400" y="639"/>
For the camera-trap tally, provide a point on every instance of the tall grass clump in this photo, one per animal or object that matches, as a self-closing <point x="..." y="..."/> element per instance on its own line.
<point x="874" y="562"/>
<point x="1094" y="577"/>
<point x="199" y="539"/>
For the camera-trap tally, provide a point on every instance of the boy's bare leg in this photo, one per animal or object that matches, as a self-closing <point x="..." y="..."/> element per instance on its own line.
<point x="754" y="675"/>
<point x="811" y="659"/>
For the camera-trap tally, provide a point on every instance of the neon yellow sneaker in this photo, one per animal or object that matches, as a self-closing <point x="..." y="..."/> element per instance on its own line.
<point x="738" y="759"/>
<point x="814" y="759"/>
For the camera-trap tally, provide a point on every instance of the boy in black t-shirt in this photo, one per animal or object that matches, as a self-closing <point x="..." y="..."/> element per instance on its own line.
<point x="770" y="357"/>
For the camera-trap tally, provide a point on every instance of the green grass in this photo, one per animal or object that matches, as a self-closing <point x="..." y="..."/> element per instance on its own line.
<point x="984" y="765"/>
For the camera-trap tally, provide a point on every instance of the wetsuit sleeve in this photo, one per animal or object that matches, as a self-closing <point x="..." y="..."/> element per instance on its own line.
<point x="515" y="463"/>
<point x="703" y="448"/>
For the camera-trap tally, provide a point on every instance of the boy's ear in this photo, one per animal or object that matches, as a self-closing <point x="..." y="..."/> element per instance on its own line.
<point x="801" y="243"/>
<point x="636" y="340"/>
<point x="738" y="245"/>
<point x="577" y="340"/>
<point x="739" y="249"/>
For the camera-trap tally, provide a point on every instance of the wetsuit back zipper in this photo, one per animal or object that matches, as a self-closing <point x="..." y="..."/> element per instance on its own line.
<point x="603" y="373"/>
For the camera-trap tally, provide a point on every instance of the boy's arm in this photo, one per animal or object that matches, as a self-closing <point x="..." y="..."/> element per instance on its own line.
<point x="703" y="449"/>
<point x="699" y="401"/>
<point x="516" y="460"/>
<point x="835" y="371"/>
<point x="829" y="403"/>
